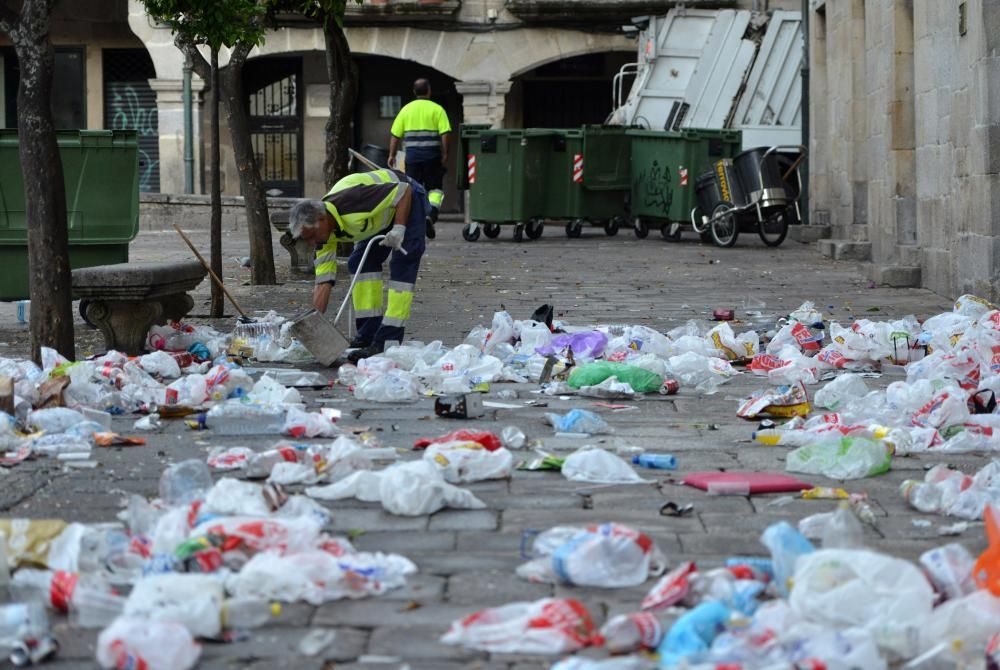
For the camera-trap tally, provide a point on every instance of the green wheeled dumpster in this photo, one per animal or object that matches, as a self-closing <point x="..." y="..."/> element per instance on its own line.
<point x="589" y="178"/>
<point x="665" y="165"/>
<point x="101" y="173"/>
<point x="505" y="174"/>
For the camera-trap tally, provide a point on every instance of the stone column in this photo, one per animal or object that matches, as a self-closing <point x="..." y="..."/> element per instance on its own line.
<point x="483" y="101"/>
<point x="170" y="109"/>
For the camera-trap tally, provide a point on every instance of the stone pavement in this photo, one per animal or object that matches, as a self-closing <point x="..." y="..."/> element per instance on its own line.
<point x="466" y="559"/>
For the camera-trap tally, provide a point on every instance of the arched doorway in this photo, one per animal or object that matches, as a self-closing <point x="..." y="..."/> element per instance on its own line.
<point x="566" y="93"/>
<point x="384" y="86"/>
<point x="273" y="88"/>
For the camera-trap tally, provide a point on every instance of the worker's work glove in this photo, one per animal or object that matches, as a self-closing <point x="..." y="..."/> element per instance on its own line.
<point x="394" y="238"/>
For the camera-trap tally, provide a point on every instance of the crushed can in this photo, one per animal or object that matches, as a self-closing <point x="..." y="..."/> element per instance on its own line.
<point x="669" y="387"/>
<point x="467" y="406"/>
<point x="723" y="315"/>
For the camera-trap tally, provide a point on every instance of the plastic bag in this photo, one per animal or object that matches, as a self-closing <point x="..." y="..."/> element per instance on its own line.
<point x="299" y="424"/>
<point x="585" y="345"/>
<point x="610" y="388"/>
<point x="598" y="466"/>
<point x="733" y="347"/>
<point x="487" y="440"/>
<point x="846" y="458"/>
<point x="853" y="587"/>
<point x="950" y="570"/>
<point x="317" y="576"/>
<point x="546" y="626"/>
<point x="268" y="390"/>
<point x="591" y="374"/>
<point x="609" y="556"/>
<point x="705" y="373"/>
<point x="54" y="419"/>
<point x="617" y="663"/>
<point x="783" y="401"/>
<point x="229" y="458"/>
<point x="502" y="331"/>
<point x="840" y="391"/>
<point x="462" y="462"/>
<point x="579" y="421"/>
<point x="160" y="363"/>
<point x="392" y="386"/>
<point x="986" y="571"/>
<point x="787" y="546"/>
<point x="193" y="600"/>
<point x="839" y="529"/>
<point x="693" y="632"/>
<point x="188" y="390"/>
<point x="152" y="645"/>
<point x="410" y="489"/>
<point x="532" y="335"/>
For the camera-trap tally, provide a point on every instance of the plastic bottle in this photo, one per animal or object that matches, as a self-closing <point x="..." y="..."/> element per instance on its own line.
<point x="629" y="632"/>
<point x="140" y="643"/>
<point x="185" y="482"/>
<point x="243" y="613"/>
<point x="656" y="461"/>
<point x="89" y="599"/>
<point x="922" y="496"/>
<point x="236" y="418"/>
<point x="22" y="621"/>
<point x="261" y="464"/>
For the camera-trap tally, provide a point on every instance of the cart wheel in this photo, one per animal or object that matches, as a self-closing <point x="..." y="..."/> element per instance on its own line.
<point x="725" y="228"/>
<point x="774" y="228"/>
<point x="492" y="230"/>
<point x="535" y="229"/>
<point x="671" y="232"/>
<point x="641" y="228"/>
<point x="574" y="228"/>
<point x="519" y="232"/>
<point x="611" y="227"/>
<point x="470" y="232"/>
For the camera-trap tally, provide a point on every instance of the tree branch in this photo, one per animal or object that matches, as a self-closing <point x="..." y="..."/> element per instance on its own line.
<point x="198" y="62"/>
<point x="240" y="52"/>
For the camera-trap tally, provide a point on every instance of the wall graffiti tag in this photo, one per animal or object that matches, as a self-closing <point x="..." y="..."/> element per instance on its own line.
<point x="133" y="107"/>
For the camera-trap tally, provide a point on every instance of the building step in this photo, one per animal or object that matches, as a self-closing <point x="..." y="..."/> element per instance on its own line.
<point x="808" y="234"/>
<point x="845" y="250"/>
<point x="896" y="276"/>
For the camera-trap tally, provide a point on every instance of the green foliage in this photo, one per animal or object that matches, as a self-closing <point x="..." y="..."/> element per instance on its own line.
<point x="216" y="23"/>
<point x="322" y="11"/>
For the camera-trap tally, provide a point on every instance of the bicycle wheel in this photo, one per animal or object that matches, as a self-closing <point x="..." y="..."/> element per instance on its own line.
<point x="774" y="228"/>
<point x="725" y="228"/>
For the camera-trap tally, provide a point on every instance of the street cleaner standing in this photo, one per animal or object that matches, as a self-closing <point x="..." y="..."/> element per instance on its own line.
<point x="358" y="207"/>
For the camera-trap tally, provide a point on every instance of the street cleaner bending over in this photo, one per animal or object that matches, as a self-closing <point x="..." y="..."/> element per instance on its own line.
<point x="358" y="207"/>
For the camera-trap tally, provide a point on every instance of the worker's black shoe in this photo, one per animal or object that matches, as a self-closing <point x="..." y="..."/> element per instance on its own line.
<point x="429" y="223"/>
<point x="366" y="352"/>
<point x="360" y="343"/>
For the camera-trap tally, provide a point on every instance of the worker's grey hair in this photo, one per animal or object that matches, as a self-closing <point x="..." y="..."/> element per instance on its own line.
<point x="305" y="214"/>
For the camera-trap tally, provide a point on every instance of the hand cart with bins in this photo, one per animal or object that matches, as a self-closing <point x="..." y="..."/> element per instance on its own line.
<point x="756" y="190"/>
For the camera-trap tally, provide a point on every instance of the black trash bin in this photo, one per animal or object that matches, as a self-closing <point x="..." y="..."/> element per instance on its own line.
<point x="765" y="185"/>
<point x="376" y="154"/>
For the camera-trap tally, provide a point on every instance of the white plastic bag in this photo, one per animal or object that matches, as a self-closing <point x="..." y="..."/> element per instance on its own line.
<point x="705" y="373"/>
<point x="410" y="489"/>
<point x="461" y="462"/>
<point x="609" y="556"/>
<point x="160" y="363"/>
<point x="546" y="626"/>
<point x="502" y="331"/>
<point x="852" y="587"/>
<point x="270" y="391"/>
<point x="154" y="645"/>
<point x="54" y="419"/>
<point x="597" y="466"/>
<point x="317" y="576"/>
<point x="300" y="423"/>
<point x="191" y="599"/>
<point x="393" y="386"/>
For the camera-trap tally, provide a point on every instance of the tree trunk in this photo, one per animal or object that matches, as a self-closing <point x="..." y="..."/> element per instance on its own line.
<point x="343" y="76"/>
<point x="50" y="281"/>
<point x="216" y="178"/>
<point x="251" y="184"/>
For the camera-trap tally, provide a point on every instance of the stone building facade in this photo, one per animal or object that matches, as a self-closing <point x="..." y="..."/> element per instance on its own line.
<point x="905" y="139"/>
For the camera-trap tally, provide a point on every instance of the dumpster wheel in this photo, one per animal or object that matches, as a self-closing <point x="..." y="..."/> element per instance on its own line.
<point x="535" y="229"/>
<point x="492" y="230"/>
<point x="519" y="231"/>
<point x="574" y="228"/>
<point x="611" y="227"/>
<point x="671" y="231"/>
<point x="725" y="229"/>
<point x="640" y="227"/>
<point x="470" y="232"/>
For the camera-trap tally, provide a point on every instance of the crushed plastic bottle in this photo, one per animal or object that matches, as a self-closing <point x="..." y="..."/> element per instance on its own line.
<point x="185" y="482"/>
<point x="239" y="418"/>
<point x="626" y="633"/>
<point x="89" y="600"/>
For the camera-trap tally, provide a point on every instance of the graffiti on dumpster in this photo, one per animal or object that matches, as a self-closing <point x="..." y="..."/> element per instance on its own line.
<point x="653" y="186"/>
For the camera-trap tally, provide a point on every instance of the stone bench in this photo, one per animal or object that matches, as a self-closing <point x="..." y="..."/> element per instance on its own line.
<point x="126" y="299"/>
<point x="301" y="251"/>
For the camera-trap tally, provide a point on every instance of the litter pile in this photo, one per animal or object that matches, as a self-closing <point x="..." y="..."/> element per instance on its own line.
<point x="215" y="555"/>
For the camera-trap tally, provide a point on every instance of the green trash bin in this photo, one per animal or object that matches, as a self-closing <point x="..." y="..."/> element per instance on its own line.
<point x="589" y="178"/>
<point x="665" y="165"/>
<point x="101" y="173"/>
<point x="505" y="175"/>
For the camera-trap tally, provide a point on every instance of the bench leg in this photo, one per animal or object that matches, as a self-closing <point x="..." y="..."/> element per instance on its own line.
<point x="301" y="252"/>
<point x="126" y="323"/>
